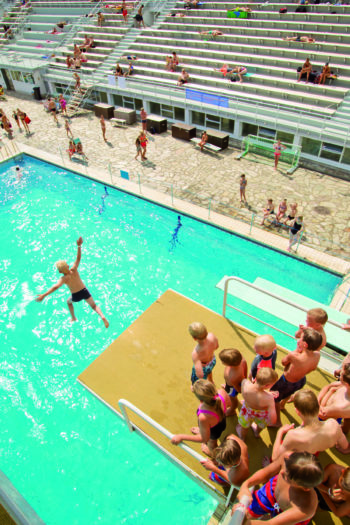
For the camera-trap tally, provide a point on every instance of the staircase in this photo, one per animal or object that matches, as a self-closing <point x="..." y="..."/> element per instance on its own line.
<point x="77" y="99"/>
<point x="339" y="123"/>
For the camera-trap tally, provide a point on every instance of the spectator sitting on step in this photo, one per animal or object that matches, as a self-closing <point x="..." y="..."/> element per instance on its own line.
<point x="87" y="44"/>
<point x="298" y="38"/>
<point x="169" y="63"/>
<point x="213" y="33"/>
<point x="83" y="57"/>
<point x="77" y="62"/>
<point x="118" y="71"/>
<point x="175" y="60"/>
<point x="183" y="78"/>
<point x="326" y="73"/>
<point x="307" y="68"/>
<point x="224" y="69"/>
<point x="130" y="70"/>
<point x="269" y="210"/>
<point x="191" y="4"/>
<point x="76" y="51"/>
<point x="69" y="61"/>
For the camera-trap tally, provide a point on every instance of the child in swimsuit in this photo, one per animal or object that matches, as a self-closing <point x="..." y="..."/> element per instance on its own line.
<point x="242" y="186"/>
<point x="278" y="147"/>
<point x="211" y="416"/>
<point x="266" y="354"/>
<point x="269" y="210"/>
<point x="282" y="208"/>
<point x="234" y="373"/>
<point x="289" y="491"/>
<point x="258" y="407"/>
<point x="203" y="354"/>
<point x="231" y="462"/>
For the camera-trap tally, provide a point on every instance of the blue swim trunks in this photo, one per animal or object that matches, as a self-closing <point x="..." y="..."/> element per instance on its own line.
<point x="232" y="392"/>
<point x="206" y="370"/>
<point x="285" y="388"/>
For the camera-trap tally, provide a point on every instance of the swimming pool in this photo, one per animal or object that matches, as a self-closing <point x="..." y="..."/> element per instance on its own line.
<point x="80" y="463"/>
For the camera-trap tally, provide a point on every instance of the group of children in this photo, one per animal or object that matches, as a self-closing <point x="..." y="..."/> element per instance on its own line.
<point x="294" y="481"/>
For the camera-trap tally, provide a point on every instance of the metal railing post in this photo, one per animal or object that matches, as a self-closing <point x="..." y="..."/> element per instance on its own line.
<point x="139" y="181"/>
<point x="251" y="223"/>
<point x="299" y="240"/>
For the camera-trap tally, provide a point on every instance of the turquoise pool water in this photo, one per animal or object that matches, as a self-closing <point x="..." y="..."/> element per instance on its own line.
<point x="71" y="458"/>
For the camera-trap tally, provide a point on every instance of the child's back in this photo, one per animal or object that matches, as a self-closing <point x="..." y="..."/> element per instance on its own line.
<point x="305" y="358"/>
<point x="234" y="373"/>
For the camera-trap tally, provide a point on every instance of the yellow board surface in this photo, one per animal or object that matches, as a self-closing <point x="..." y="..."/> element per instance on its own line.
<point x="149" y="365"/>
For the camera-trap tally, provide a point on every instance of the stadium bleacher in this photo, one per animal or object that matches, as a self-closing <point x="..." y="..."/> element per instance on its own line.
<point x="270" y="89"/>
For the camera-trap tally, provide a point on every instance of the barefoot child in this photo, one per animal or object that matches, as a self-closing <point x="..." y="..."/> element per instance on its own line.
<point x="203" y="354"/>
<point x="72" y="279"/>
<point x="334" y="491"/>
<point x="265" y="348"/>
<point x="211" y="416"/>
<point x="313" y="435"/>
<point x="288" y="490"/>
<point x="242" y="186"/>
<point x="258" y="409"/>
<point x="231" y="462"/>
<point x="316" y="318"/>
<point x="235" y="371"/>
<point x="297" y="365"/>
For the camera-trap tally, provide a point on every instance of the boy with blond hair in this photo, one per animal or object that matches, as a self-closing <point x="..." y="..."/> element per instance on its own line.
<point x="288" y="490"/>
<point x="258" y="408"/>
<point x="316" y="318"/>
<point x="297" y="365"/>
<point x="313" y="435"/>
<point x="234" y="373"/>
<point x="203" y="353"/>
<point x="266" y="354"/>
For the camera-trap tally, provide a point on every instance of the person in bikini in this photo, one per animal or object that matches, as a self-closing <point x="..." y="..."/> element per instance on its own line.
<point x="203" y="354"/>
<point x="211" y="415"/>
<point x="73" y="280"/>
<point x="313" y="436"/>
<point x="258" y="408"/>
<point x="292" y="213"/>
<point x="278" y="148"/>
<point x="230" y="463"/>
<point x="281" y="212"/>
<point x="234" y="373"/>
<point x="307" y="68"/>
<point x="297" y="365"/>
<point x="269" y="210"/>
<point x="288" y="490"/>
<point x="242" y="186"/>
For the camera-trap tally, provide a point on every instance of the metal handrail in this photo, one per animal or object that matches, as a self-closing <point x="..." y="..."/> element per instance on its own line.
<point x="123" y="404"/>
<point x="275" y="296"/>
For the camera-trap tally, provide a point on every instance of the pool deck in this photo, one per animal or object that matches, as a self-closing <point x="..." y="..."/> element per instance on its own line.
<point x="149" y="365"/>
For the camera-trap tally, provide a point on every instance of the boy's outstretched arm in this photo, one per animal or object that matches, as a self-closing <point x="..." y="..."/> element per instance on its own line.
<point x="77" y="260"/>
<point x="197" y="365"/>
<point x="53" y="288"/>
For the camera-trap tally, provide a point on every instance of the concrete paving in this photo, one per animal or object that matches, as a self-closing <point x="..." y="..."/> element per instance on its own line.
<point x="202" y="178"/>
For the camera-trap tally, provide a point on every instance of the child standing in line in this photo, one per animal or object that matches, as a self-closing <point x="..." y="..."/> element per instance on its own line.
<point x="297" y="365"/>
<point x="258" y="409"/>
<point x="288" y="490"/>
<point x="211" y="416"/>
<point x="334" y="491"/>
<point x="203" y="354"/>
<point x="242" y="186"/>
<point x="230" y="463"/>
<point x="334" y="398"/>
<point x="316" y="318"/>
<point x="234" y="373"/>
<point x="265" y="348"/>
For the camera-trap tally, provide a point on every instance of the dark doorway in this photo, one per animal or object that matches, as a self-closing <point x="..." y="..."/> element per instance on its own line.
<point x="8" y="80"/>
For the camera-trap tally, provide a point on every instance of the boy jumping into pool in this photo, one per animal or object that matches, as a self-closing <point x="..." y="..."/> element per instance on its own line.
<point x="73" y="280"/>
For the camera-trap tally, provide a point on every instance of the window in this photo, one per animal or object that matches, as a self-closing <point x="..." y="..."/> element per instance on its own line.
<point x="179" y="113"/>
<point x="117" y="100"/>
<point x="227" y="125"/>
<point x="198" y="118"/>
<point x="154" y="108"/>
<point x="103" y="97"/>
<point x="167" y="111"/>
<point x="16" y="75"/>
<point x="249" y="129"/>
<point x="346" y="156"/>
<point x="331" y="152"/>
<point x="212" y="121"/>
<point x="138" y="103"/>
<point x="284" y="137"/>
<point x="310" y="146"/>
<point x="267" y="133"/>
<point x="128" y="102"/>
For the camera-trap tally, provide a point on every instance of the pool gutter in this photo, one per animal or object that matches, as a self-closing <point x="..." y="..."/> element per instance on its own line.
<point x="15" y="505"/>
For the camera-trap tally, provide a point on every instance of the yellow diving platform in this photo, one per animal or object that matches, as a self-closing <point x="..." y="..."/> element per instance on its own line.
<point x="149" y="365"/>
